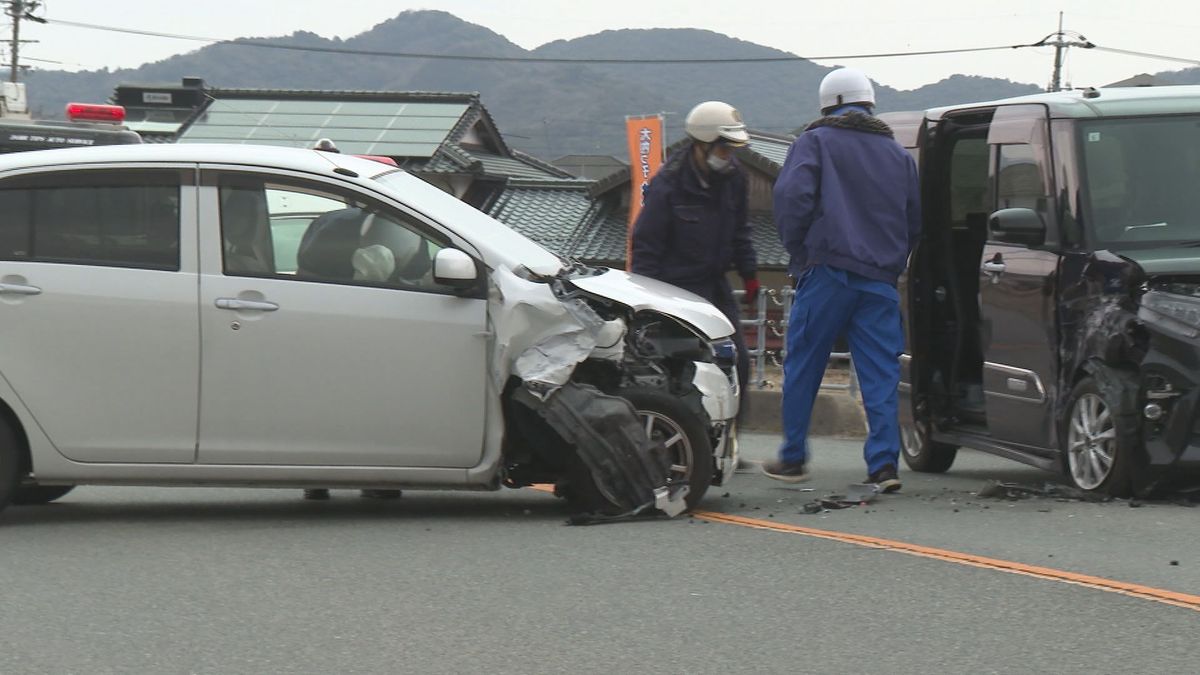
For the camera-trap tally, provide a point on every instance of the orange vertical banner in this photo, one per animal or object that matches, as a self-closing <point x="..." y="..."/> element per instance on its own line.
<point x="644" y="134"/>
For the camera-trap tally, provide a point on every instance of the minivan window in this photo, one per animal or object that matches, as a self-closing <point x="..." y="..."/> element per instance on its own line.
<point x="970" y="200"/>
<point x="109" y="218"/>
<point x="1141" y="176"/>
<point x="1019" y="179"/>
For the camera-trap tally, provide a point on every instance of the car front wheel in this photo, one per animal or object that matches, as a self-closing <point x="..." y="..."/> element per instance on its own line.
<point x="1098" y="452"/>
<point x="923" y="454"/>
<point x="667" y="420"/>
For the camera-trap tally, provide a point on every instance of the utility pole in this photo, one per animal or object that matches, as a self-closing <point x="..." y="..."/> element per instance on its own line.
<point x="17" y="10"/>
<point x="1060" y="44"/>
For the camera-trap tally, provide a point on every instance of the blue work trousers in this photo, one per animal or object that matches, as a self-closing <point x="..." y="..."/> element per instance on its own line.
<point x="825" y="307"/>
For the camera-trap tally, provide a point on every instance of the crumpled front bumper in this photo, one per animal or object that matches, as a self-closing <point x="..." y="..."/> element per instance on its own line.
<point x="720" y="397"/>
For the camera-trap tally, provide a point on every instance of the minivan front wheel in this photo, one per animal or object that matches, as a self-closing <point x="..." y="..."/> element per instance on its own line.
<point x="921" y="453"/>
<point x="1098" y="452"/>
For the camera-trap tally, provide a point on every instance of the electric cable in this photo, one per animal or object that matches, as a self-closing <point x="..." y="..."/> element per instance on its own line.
<point x="513" y="59"/>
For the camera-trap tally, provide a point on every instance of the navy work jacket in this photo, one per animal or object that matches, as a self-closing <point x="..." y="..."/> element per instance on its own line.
<point x="689" y="234"/>
<point x="848" y="197"/>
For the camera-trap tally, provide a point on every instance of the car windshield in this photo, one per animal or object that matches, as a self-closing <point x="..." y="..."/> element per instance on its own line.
<point x="1143" y="180"/>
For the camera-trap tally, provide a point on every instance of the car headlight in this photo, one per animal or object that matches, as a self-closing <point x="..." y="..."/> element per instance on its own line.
<point x="724" y="351"/>
<point x="1180" y="313"/>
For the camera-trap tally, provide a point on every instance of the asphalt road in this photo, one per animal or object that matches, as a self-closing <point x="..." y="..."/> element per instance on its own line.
<point x="138" y="580"/>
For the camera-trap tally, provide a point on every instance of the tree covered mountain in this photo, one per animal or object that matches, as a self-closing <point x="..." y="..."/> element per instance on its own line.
<point x="544" y="109"/>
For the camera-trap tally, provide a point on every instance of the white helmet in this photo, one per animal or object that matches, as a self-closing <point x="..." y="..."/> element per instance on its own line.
<point x="845" y="85"/>
<point x="713" y="120"/>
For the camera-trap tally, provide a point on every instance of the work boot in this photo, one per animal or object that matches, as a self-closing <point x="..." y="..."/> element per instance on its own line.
<point x="788" y="472"/>
<point x="380" y="494"/>
<point x="886" y="479"/>
<point x="316" y="493"/>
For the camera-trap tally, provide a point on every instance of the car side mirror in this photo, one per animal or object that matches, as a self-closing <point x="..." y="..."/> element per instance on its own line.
<point x="1020" y="226"/>
<point x="453" y="268"/>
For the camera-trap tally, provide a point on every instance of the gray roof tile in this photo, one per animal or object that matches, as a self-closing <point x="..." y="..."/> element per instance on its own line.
<point x="602" y="240"/>
<point x="546" y="213"/>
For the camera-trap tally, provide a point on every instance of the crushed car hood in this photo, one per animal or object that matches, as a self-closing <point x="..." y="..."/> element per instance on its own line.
<point x="1170" y="261"/>
<point x="646" y="294"/>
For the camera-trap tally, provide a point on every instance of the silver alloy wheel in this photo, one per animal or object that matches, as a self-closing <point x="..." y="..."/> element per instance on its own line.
<point x="1091" y="442"/>
<point x="912" y="439"/>
<point x="669" y="433"/>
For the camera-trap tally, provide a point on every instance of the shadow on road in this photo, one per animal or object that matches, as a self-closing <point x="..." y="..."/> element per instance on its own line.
<point x="288" y="509"/>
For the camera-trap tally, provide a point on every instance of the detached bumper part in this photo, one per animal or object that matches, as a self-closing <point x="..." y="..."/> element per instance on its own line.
<point x="629" y="471"/>
<point x="671" y="504"/>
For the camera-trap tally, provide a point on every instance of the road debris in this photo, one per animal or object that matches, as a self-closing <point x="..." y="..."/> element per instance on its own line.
<point x="858" y="494"/>
<point x="1062" y="493"/>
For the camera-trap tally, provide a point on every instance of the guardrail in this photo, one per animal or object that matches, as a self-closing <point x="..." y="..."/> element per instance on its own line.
<point x="760" y="354"/>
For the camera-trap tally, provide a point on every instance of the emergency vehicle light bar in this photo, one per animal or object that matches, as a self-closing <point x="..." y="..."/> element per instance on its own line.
<point x="95" y="112"/>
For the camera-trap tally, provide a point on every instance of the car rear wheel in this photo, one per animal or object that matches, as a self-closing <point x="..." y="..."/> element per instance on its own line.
<point x="1097" y="449"/>
<point x="922" y="454"/>
<point x="10" y="463"/>
<point x="39" y="494"/>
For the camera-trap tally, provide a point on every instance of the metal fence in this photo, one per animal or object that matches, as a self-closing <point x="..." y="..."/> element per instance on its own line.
<point x="761" y="355"/>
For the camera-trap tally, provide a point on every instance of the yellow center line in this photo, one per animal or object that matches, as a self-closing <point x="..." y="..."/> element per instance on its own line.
<point x="1184" y="600"/>
<point x="1173" y="598"/>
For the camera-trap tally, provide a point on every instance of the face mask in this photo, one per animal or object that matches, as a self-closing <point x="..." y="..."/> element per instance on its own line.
<point x="720" y="165"/>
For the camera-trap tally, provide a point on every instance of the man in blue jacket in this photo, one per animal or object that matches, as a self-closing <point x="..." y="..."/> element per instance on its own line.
<point x="848" y="210"/>
<point x="693" y="227"/>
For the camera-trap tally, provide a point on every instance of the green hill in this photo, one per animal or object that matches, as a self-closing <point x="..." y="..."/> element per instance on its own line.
<point x="544" y="109"/>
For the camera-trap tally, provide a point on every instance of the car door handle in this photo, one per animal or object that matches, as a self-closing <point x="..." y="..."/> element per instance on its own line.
<point x="19" y="289"/>
<point x="255" y="305"/>
<point x="993" y="267"/>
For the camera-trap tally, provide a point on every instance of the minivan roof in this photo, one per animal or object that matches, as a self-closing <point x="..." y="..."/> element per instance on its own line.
<point x="1098" y="102"/>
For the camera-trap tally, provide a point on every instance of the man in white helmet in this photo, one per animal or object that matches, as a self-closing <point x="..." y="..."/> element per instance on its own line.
<point x="693" y="227"/>
<point x="848" y="210"/>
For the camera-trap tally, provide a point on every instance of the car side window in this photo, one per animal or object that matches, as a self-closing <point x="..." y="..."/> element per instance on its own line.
<point x="98" y="217"/>
<point x="1019" y="181"/>
<point x="309" y="233"/>
<point x="969" y="197"/>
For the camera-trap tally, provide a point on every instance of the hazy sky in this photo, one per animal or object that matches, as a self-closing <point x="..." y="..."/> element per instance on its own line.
<point x="812" y="28"/>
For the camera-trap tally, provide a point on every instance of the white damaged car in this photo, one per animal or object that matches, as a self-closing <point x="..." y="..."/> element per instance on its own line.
<point x="257" y="316"/>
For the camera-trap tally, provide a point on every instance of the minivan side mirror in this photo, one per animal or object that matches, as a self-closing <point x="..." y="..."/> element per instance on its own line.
<point x="453" y="268"/>
<point x="1017" y="226"/>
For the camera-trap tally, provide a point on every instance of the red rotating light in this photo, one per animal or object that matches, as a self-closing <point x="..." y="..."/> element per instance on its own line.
<point x="95" y="112"/>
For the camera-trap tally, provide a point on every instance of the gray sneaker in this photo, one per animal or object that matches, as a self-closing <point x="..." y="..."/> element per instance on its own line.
<point x="886" y="479"/>
<point x="785" y="471"/>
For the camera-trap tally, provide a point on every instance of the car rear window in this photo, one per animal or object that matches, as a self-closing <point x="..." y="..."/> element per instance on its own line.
<point x="110" y="218"/>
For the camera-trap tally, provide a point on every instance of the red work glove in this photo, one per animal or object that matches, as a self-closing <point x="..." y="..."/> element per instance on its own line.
<point x="751" y="286"/>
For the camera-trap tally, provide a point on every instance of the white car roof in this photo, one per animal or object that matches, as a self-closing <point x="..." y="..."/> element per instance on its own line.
<point x="312" y="161"/>
<point x="499" y="244"/>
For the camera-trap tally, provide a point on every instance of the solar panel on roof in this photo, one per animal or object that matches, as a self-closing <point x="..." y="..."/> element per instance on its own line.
<point x="390" y="128"/>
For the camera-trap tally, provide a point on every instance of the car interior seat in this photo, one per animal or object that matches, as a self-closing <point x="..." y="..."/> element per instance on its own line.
<point x="328" y="245"/>
<point x="245" y="228"/>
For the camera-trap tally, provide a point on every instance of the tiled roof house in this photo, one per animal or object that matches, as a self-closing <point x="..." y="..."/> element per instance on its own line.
<point x="449" y="140"/>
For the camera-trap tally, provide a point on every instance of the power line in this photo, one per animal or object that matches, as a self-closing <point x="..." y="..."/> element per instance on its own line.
<point x="515" y="59"/>
<point x="1059" y="43"/>
<point x="1129" y="52"/>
